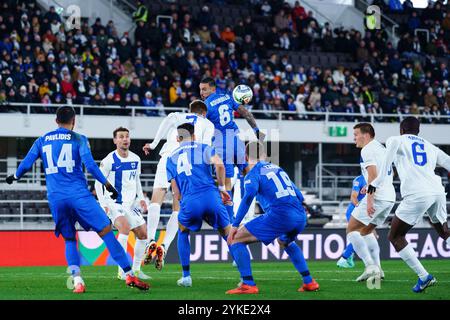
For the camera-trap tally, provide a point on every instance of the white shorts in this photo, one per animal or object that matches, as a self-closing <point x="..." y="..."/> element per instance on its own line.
<point x="382" y="210"/>
<point x="161" y="173"/>
<point x="131" y="213"/>
<point x="412" y="209"/>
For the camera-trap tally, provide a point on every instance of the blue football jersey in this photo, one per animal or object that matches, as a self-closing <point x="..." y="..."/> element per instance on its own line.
<point x="220" y="111"/>
<point x="272" y="187"/>
<point x="190" y="166"/>
<point x="358" y="184"/>
<point x="62" y="152"/>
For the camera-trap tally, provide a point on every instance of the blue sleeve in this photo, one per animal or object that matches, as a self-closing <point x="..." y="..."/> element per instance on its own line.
<point x="251" y="185"/>
<point x="88" y="161"/>
<point x="234" y="104"/>
<point x="30" y="158"/>
<point x="298" y="193"/>
<point x="171" y="170"/>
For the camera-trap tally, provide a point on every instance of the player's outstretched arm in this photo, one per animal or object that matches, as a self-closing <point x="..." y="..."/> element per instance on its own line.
<point x="26" y="164"/>
<point x="251" y="121"/>
<point x="89" y="163"/>
<point x="168" y="123"/>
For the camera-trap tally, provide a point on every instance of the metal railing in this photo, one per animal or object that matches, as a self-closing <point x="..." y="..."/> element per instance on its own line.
<point x="139" y="111"/>
<point x="36" y="176"/>
<point x="21" y="215"/>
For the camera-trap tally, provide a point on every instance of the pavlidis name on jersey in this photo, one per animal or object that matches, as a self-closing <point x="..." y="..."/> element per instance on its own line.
<point x="58" y="136"/>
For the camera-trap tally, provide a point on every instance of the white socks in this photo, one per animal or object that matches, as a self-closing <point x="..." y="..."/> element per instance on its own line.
<point x="374" y="248"/>
<point x="409" y="256"/>
<point x="123" y="240"/>
<point x="139" y="250"/>
<point x="153" y="214"/>
<point x="360" y="247"/>
<point x="171" y="230"/>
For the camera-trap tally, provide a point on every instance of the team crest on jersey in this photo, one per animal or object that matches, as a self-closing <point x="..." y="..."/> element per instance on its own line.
<point x="133" y="165"/>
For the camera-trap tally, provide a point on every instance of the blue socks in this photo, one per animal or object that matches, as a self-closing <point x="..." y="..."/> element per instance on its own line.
<point x="116" y="251"/>
<point x="348" y="251"/>
<point x="72" y="257"/>
<point x="297" y="258"/>
<point x="230" y="208"/>
<point x="184" y="251"/>
<point x="242" y="257"/>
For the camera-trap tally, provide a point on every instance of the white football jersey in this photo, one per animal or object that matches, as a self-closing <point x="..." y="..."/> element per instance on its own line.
<point x="415" y="159"/>
<point x="373" y="154"/>
<point x="204" y="130"/>
<point x="124" y="175"/>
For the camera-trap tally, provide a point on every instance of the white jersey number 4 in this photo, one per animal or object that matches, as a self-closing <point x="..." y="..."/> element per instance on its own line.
<point x="183" y="165"/>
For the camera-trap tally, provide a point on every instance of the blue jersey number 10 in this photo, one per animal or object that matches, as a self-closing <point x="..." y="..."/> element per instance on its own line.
<point x="64" y="159"/>
<point x="419" y="154"/>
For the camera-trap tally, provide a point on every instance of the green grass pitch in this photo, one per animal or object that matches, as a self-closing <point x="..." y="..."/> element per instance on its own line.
<point x="277" y="280"/>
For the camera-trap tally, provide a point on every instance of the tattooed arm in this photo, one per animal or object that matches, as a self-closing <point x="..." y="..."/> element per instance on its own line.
<point x="251" y="121"/>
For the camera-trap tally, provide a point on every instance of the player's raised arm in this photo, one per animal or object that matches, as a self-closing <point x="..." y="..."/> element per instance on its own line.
<point x="26" y="163"/>
<point x="169" y="122"/>
<point x="92" y="168"/>
<point x="392" y="145"/>
<point x="247" y="115"/>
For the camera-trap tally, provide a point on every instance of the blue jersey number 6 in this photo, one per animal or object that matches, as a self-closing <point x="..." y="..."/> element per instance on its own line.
<point x="419" y="154"/>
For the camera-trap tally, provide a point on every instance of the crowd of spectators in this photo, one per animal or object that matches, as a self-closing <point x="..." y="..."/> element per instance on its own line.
<point x="43" y="62"/>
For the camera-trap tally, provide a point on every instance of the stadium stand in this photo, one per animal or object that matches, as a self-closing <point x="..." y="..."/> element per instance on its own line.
<point x="291" y="62"/>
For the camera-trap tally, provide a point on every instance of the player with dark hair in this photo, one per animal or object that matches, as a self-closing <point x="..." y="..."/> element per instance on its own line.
<point x="283" y="220"/>
<point x="421" y="189"/>
<point x="371" y="211"/>
<point x="63" y="152"/>
<point x="226" y="141"/>
<point x="189" y="172"/>
<point x="204" y="131"/>
<point x="123" y="169"/>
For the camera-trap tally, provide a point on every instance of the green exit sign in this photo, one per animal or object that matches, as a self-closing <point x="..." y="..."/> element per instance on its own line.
<point x="337" y="131"/>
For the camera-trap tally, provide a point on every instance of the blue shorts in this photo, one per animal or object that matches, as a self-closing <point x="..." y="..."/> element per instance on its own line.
<point x="206" y="207"/>
<point x="231" y="150"/>
<point x="86" y="211"/>
<point x="285" y="225"/>
<point x="350" y="209"/>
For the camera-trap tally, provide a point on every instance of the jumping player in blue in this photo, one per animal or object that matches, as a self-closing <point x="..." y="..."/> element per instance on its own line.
<point x="358" y="193"/>
<point x="283" y="220"/>
<point x="226" y="141"/>
<point x="63" y="152"/>
<point x="190" y="175"/>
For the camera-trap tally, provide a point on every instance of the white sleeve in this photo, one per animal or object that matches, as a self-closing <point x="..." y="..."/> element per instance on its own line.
<point x="139" y="193"/>
<point x="368" y="158"/>
<point x="105" y="168"/>
<point x="169" y="122"/>
<point x="208" y="133"/>
<point x="392" y="145"/>
<point x="443" y="159"/>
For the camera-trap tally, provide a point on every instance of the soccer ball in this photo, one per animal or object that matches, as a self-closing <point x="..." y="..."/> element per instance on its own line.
<point x="242" y="92"/>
